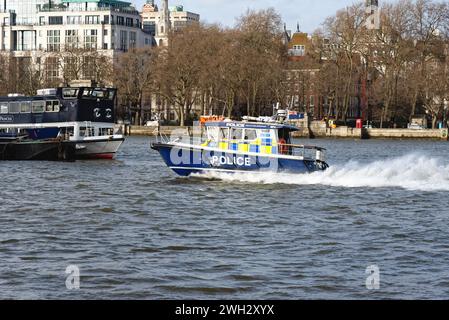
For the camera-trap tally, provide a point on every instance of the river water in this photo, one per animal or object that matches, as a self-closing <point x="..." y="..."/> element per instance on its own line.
<point x="136" y="231"/>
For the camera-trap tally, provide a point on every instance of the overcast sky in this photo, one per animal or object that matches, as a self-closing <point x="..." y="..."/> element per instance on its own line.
<point x="309" y="13"/>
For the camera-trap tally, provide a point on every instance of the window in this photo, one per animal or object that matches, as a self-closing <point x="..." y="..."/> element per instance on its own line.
<point x="223" y="135"/>
<point x="132" y="39"/>
<point x="90" y="39"/>
<point x="250" y="134"/>
<point x="4" y="107"/>
<point x="86" y="132"/>
<point x="74" y="20"/>
<point x="25" y="107"/>
<point x="38" y="106"/>
<point x="55" y="20"/>
<point x="87" y="92"/>
<point x="106" y="132"/>
<point x="299" y="50"/>
<point x="51" y="106"/>
<point x="236" y="134"/>
<point x="106" y="19"/>
<point x="106" y="94"/>
<point x="92" y="19"/>
<point x="71" y="38"/>
<point x="123" y="40"/>
<point x="129" y="22"/>
<point x="56" y="107"/>
<point x="120" y="21"/>
<point x="52" y="68"/>
<point x="69" y="93"/>
<point x="14" y="107"/>
<point x="48" y="106"/>
<point x="89" y="67"/>
<point x="53" y="40"/>
<point x="99" y="93"/>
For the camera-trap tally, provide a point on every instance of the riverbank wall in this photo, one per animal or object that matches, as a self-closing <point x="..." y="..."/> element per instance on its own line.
<point x="316" y="129"/>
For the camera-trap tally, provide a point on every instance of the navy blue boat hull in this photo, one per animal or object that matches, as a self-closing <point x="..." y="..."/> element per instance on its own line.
<point x="185" y="161"/>
<point x="37" y="150"/>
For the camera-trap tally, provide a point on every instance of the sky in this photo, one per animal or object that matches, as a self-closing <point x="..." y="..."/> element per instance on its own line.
<point x="309" y="13"/>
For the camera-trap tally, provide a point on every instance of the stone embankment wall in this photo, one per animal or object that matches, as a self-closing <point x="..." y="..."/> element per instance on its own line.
<point x="316" y="129"/>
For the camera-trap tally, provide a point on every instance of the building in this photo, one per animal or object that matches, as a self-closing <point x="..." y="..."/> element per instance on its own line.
<point x="39" y="30"/>
<point x="159" y="21"/>
<point x="373" y="14"/>
<point x="298" y="44"/>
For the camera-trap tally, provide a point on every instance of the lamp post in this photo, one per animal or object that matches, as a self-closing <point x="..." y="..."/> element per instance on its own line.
<point x="446" y="107"/>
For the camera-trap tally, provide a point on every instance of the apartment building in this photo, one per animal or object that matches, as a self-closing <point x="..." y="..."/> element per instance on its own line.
<point x="37" y="29"/>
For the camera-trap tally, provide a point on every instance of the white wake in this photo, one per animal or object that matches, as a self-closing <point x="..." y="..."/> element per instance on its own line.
<point x="412" y="172"/>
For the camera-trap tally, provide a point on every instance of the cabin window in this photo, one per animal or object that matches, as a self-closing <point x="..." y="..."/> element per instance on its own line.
<point x="106" y="131"/>
<point x="236" y="134"/>
<point x="69" y="93"/>
<point x="25" y="107"/>
<point x="111" y="94"/>
<point x="4" y="107"/>
<point x="14" y="107"/>
<point x="284" y="134"/>
<point x="87" y="92"/>
<point x="38" y="106"/>
<point x="224" y="134"/>
<point x="49" y="106"/>
<point x="52" y="106"/>
<point x="212" y="134"/>
<point x="99" y="94"/>
<point x="86" y="132"/>
<point x="56" y="106"/>
<point x="250" y="135"/>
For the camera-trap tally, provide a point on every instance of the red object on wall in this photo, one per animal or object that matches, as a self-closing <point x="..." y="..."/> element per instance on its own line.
<point x="359" y="124"/>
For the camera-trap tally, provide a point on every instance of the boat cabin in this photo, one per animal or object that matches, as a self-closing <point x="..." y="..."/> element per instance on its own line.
<point x="72" y="112"/>
<point x="252" y="137"/>
<point x="68" y="104"/>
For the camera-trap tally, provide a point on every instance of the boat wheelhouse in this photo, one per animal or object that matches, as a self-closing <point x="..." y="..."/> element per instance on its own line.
<point x="83" y="115"/>
<point x="242" y="146"/>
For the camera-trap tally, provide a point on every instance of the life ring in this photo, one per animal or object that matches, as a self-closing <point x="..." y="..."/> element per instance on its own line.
<point x="283" y="149"/>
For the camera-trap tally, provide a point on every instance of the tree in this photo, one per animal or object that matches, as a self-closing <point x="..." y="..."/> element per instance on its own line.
<point x="4" y="81"/>
<point x="133" y="78"/>
<point x="262" y="54"/>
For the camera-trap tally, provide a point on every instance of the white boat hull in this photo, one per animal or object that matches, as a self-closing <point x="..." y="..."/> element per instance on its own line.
<point x="98" y="149"/>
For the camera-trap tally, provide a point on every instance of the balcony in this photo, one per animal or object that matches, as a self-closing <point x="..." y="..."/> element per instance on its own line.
<point x="102" y="9"/>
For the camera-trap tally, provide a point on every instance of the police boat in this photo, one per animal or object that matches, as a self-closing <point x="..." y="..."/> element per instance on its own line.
<point x="254" y="144"/>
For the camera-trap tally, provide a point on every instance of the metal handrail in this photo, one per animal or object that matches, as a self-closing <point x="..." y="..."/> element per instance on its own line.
<point x="303" y="146"/>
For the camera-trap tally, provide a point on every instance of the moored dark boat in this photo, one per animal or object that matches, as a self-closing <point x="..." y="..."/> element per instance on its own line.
<point x="46" y="150"/>
<point x="83" y="115"/>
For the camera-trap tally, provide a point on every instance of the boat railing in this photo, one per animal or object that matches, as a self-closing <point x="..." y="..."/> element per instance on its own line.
<point x="307" y="152"/>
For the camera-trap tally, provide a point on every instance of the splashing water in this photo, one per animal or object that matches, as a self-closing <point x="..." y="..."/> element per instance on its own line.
<point x="412" y="172"/>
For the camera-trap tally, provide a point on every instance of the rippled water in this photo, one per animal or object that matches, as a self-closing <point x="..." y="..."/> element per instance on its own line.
<point x="135" y="230"/>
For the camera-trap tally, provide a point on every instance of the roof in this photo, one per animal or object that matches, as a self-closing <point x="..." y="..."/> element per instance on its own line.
<point x="250" y="125"/>
<point x="299" y="38"/>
